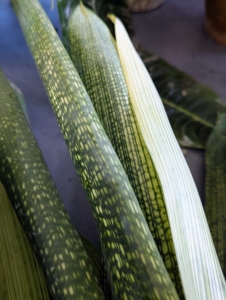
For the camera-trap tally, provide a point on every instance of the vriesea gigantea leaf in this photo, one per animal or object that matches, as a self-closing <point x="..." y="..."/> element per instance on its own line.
<point x="200" y="271"/>
<point x="134" y="264"/>
<point x="98" y="64"/>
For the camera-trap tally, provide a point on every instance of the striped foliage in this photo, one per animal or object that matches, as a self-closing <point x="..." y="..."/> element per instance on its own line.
<point x="95" y="57"/>
<point x="200" y="270"/>
<point x="20" y="274"/>
<point x="133" y="262"/>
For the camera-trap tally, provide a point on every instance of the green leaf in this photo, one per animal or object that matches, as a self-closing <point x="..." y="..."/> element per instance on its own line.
<point x="64" y="8"/>
<point x="197" y="259"/>
<point x="20" y="274"/>
<point x="94" y="253"/>
<point x="42" y="214"/>
<point x="20" y="98"/>
<point x="101" y="7"/>
<point x="99" y="267"/>
<point x="135" y="267"/>
<point x="215" y="200"/>
<point x="190" y="129"/>
<point x="192" y="108"/>
<point x="98" y="64"/>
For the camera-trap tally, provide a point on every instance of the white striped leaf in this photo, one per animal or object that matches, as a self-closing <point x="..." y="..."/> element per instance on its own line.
<point x="200" y="271"/>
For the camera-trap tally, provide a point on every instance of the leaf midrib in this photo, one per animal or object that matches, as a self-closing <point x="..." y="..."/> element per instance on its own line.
<point x="188" y="113"/>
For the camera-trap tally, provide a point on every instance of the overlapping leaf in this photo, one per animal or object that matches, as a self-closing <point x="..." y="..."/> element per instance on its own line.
<point x="101" y="7"/>
<point x="20" y="98"/>
<point x="92" y="52"/>
<point x="197" y="259"/>
<point x="196" y="114"/>
<point x="99" y="267"/>
<point x="192" y="108"/>
<point x="215" y="202"/>
<point x="20" y="274"/>
<point x="134" y="264"/>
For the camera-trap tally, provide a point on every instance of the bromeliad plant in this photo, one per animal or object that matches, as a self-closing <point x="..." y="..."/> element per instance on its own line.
<point x="172" y="208"/>
<point x="193" y="111"/>
<point x="202" y="114"/>
<point x="133" y="262"/>
<point x="91" y="48"/>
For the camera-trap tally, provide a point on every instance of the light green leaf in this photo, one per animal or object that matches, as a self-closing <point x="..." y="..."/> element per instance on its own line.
<point x="20" y="275"/>
<point x="200" y="270"/>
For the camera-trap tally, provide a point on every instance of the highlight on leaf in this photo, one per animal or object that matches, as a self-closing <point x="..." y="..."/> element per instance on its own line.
<point x="197" y="258"/>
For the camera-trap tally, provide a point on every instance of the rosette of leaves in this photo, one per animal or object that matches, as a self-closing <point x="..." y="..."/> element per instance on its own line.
<point x="192" y="108"/>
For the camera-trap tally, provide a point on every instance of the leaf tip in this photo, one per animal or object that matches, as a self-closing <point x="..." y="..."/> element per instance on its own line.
<point x="83" y="8"/>
<point x="112" y="18"/>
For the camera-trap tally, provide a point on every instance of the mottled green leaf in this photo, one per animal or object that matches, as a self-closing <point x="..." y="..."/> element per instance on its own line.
<point x="98" y="265"/>
<point x="41" y="212"/>
<point x="20" y="98"/>
<point x="98" y="64"/>
<point x="94" y="253"/>
<point x="130" y="253"/>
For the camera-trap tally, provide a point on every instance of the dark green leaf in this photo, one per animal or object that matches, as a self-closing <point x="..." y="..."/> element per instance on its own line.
<point x="215" y="202"/>
<point x="98" y="264"/>
<point x="94" y="254"/>
<point x="38" y="205"/>
<point x="192" y="108"/>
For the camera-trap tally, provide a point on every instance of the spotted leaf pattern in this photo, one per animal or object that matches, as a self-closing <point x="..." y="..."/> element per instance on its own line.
<point x="132" y="259"/>
<point x="39" y="207"/>
<point x="95" y="57"/>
